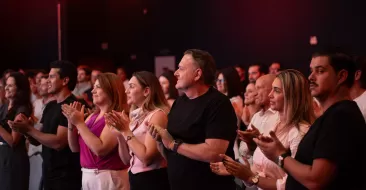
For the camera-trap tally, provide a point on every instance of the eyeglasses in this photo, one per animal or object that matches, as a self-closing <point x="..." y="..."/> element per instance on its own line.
<point x="220" y="80"/>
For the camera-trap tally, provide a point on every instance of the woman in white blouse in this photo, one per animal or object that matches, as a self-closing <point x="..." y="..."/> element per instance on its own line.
<point x="290" y="96"/>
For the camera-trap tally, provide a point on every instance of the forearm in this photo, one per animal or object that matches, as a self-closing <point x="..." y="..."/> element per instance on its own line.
<point x="48" y="140"/>
<point x="138" y="148"/>
<point x="72" y="138"/>
<point x="202" y="152"/>
<point x="31" y="140"/>
<point x="300" y="172"/>
<point x="161" y="149"/>
<point x="93" y="142"/>
<point x="123" y="150"/>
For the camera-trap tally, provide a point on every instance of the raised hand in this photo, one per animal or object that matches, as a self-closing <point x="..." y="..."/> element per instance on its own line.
<point x="161" y="134"/>
<point x="21" y="123"/>
<point x="248" y="135"/>
<point x="119" y="121"/>
<point x="271" y="147"/>
<point x="74" y="113"/>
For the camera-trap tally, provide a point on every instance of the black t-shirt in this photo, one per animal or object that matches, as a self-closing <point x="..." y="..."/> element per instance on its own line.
<point x="339" y="136"/>
<point x="58" y="162"/>
<point x="10" y="116"/>
<point x="210" y="116"/>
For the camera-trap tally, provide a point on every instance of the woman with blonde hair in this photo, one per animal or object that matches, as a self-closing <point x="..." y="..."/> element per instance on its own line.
<point x="290" y="96"/>
<point x="99" y="155"/>
<point x="148" y="106"/>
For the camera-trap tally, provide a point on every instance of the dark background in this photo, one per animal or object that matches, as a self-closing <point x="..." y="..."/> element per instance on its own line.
<point x="233" y="31"/>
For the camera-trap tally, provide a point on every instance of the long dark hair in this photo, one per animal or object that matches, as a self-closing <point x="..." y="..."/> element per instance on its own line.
<point x="23" y="93"/>
<point x="233" y="85"/>
<point x="173" y="92"/>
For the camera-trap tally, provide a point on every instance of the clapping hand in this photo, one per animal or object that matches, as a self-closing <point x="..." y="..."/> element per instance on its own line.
<point x="74" y="113"/>
<point x="119" y="121"/>
<point x="248" y="135"/>
<point x="160" y="134"/>
<point x="237" y="169"/>
<point x="271" y="147"/>
<point x="21" y="123"/>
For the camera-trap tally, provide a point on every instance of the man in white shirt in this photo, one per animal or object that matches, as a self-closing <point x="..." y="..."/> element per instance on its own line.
<point x="35" y="158"/>
<point x="358" y="90"/>
<point x="261" y="122"/>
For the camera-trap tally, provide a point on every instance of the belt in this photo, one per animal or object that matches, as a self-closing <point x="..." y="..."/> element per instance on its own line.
<point x="4" y="144"/>
<point x="95" y="171"/>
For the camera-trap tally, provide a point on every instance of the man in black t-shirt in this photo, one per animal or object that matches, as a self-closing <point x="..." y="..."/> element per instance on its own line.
<point x="201" y="125"/>
<point x="61" y="167"/>
<point x="332" y="153"/>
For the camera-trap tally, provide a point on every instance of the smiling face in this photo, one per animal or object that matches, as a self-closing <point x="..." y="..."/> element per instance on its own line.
<point x="100" y="97"/>
<point x="55" y="83"/>
<point x="10" y="88"/>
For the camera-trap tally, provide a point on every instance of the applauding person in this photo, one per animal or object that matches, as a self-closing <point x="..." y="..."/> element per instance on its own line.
<point x="61" y="167"/>
<point x="148" y="106"/>
<point x="333" y="148"/>
<point x="101" y="166"/>
<point x="14" y="163"/>
<point x="290" y="96"/>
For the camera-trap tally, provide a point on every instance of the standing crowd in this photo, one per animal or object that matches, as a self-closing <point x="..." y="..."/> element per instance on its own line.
<point x="193" y="129"/>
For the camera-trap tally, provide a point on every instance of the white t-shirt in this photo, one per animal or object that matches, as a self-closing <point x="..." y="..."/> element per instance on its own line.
<point x="361" y="102"/>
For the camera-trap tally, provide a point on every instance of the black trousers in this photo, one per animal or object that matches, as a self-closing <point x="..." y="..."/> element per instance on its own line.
<point x="62" y="180"/>
<point x="150" y="180"/>
<point x="14" y="167"/>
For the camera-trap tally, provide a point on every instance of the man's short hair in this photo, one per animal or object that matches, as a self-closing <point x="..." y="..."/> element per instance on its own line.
<point x="67" y="69"/>
<point x="206" y="63"/>
<point x="262" y="68"/>
<point x="340" y="61"/>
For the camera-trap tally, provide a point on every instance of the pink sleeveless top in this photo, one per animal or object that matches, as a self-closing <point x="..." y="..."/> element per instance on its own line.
<point x="139" y="129"/>
<point x="89" y="160"/>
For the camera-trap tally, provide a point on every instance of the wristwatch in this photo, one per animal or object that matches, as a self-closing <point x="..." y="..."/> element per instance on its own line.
<point x="176" y="145"/>
<point x="255" y="179"/>
<point x="129" y="138"/>
<point x="282" y="157"/>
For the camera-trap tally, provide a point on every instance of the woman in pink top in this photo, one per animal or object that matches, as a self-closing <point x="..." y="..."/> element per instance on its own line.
<point x="290" y="96"/>
<point x="99" y="158"/>
<point x="148" y="106"/>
